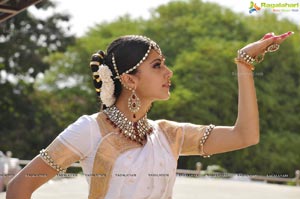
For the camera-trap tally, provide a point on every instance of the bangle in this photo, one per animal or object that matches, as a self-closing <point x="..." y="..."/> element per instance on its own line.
<point x="246" y="57"/>
<point x="207" y="132"/>
<point x="242" y="61"/>
<point x="50" y="161"/>
<point x="251" y="60"/>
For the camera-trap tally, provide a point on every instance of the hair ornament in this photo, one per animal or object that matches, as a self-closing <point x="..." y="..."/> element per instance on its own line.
<point x="108" y="86"/>
<point x="152" y="45"/>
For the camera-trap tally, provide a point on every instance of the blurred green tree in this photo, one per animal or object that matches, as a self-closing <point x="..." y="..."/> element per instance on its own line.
<point x="25" y="41"/>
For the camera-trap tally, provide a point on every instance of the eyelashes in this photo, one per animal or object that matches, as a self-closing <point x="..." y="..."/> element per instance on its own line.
<point x="159" y="62"/>
<point x="157" y="65"/>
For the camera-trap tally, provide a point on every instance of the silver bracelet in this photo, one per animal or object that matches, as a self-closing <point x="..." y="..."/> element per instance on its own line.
<point x="44" y="154"/>
<point x="207" y="132"/>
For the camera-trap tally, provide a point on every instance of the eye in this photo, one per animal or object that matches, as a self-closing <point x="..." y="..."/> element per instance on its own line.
<point x="157" y="65"/>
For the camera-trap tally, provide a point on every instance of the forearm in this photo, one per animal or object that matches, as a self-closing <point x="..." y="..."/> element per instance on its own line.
<point x="14" y="191"/>
<point x="247" y="123"/>
<point x="36" y="173"/>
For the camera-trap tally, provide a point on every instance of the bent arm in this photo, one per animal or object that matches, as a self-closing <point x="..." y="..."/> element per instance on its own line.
<point x="245" y="132"/>
<point x="31" y="177"/>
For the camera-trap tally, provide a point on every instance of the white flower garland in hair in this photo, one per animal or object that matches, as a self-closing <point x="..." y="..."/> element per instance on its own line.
<point x="108" y="86"/>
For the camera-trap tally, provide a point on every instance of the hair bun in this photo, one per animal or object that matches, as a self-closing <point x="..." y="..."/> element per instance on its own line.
<point x="96" y="60"/>
<point x="99" y="56"/>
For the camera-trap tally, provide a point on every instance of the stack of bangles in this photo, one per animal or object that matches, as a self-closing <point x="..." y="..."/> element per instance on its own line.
<point x="247" y="60"/>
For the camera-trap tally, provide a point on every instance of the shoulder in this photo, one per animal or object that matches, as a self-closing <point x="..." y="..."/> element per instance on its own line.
<point x="168" y="125"/>
<point x="82" y="135"/>
<point x="85" y="123"/>
<point x="86" y="120"/>
<point x="173" y="132"/>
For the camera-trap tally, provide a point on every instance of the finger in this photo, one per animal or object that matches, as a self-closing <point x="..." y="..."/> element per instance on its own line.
<point x="280" y="38"/>
<point x="269" y="40"/>
<point x="276" y="39"/>
<point x="268" y="35"/>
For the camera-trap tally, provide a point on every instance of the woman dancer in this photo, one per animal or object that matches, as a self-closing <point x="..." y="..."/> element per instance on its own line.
<point x="124" y="154"/>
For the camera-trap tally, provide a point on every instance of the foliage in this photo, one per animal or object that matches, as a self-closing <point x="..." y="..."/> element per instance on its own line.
<point x="25" y="41"/>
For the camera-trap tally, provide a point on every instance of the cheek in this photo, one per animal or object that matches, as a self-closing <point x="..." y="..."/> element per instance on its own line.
<point x="150" y="84"/>
<point x="149" y="87"/>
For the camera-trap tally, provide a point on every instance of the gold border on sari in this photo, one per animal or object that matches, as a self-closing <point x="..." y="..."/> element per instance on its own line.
<point x="174" y="134"/>
<point x="109" y="149"/>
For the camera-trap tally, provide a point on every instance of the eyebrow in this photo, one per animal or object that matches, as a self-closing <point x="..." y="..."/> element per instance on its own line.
<point x="158" y="59"/>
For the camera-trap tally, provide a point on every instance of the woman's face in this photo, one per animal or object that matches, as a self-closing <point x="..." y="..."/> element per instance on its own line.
<point x="153" y="78"/>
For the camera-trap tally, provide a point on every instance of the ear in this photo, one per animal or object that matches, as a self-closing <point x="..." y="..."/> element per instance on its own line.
<point x="129" y="80"/>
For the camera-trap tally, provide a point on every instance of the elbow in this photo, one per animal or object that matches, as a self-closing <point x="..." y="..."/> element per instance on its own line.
<point x="248" y="136"/>
<point x="253" y="139"/>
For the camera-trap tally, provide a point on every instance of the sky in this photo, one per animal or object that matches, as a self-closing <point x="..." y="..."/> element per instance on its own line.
<point x="97" y="11"/>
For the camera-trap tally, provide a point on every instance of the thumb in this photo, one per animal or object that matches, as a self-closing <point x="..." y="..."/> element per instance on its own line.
<point x="268" y="35"/>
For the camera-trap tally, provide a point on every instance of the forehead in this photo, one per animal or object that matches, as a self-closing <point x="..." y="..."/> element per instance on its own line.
<point x="152" y="58"/>
<point x="154" y="54"/>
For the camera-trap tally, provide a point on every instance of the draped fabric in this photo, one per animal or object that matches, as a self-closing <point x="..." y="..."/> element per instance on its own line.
<point x="116" y="167"/>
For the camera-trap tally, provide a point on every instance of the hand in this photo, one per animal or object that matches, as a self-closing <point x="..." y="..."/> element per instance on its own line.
<point x="261" y="46"/>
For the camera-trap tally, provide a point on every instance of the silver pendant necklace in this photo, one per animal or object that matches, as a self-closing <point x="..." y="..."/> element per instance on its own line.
<point x="135" y="131"/>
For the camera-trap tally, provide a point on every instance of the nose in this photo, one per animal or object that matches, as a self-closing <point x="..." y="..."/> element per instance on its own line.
<point x="169" y="72"/>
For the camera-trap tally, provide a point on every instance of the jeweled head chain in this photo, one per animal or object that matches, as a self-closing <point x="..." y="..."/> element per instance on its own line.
<point x="152" y="45"/>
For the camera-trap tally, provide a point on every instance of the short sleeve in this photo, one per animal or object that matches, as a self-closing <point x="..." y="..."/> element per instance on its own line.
<point x="73" y="144"/>
<point x="184" y="138"/>
<point x="191" y="141"/>
<point x="80" y="136"/>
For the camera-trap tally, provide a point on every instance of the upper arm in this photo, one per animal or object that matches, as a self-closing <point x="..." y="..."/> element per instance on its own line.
<point x="221" y="139"/>
<point x="82" y="136"/>
<point x="32" y="176"/>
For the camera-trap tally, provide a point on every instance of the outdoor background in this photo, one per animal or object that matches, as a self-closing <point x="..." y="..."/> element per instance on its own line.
<point x="46" y="84"/>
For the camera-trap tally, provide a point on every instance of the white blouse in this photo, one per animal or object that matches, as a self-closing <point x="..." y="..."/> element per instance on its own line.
<point x="146" y="172"/>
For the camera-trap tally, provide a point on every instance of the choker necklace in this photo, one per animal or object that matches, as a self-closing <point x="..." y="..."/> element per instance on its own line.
<point x="135" y="131"/>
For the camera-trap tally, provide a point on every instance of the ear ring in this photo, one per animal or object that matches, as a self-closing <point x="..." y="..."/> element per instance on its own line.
<point x="134" y="103"/>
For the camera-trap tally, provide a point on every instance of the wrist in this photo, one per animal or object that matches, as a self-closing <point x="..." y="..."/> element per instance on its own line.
<point x="244" y="63"/>
<point x="244" y="59"/>
<point x="242" y="55"/>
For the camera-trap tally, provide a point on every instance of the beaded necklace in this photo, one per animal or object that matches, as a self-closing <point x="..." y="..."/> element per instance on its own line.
<point x="135" y="131"/>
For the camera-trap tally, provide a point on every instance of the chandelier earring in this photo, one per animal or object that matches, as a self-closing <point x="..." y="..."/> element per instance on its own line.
<point x="134" y="103"/>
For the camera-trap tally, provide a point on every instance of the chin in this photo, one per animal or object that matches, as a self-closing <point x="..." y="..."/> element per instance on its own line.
<point x="165" y="98"/>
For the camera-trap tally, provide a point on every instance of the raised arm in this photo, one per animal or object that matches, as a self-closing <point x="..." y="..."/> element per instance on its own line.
<point x="245" y="132"/>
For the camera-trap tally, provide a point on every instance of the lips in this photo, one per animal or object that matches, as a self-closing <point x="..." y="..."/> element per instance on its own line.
<point x="168" y="84"/>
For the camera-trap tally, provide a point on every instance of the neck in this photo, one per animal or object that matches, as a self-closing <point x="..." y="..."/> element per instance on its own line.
<point x="122" y="105"/>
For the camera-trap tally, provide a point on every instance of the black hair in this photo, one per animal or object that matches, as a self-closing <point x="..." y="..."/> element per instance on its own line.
<point x="127" y="50"/>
